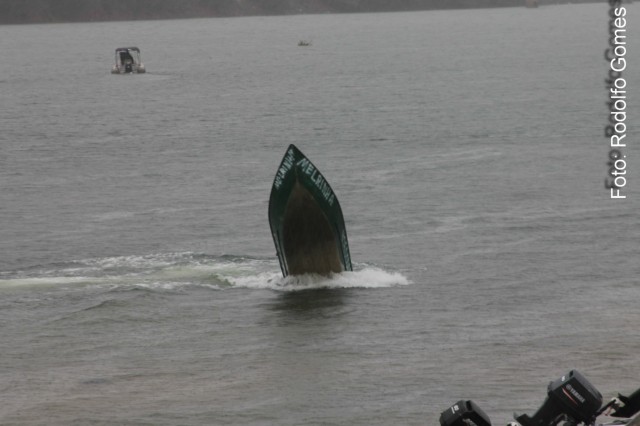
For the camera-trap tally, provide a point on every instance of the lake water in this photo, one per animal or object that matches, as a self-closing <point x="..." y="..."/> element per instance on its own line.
<point x="138" y="278"/>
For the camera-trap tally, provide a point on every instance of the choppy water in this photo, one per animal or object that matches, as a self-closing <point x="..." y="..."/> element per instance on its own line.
<point x="138" y="280"/>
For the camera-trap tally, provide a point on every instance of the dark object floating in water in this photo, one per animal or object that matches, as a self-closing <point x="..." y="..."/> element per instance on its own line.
<point x="304" y="43"/>
<point x="128" y="61"/>
<point x="306" y="219"/>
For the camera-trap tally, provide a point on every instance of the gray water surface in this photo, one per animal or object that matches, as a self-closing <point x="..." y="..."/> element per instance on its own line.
<point x="138" y="279"/>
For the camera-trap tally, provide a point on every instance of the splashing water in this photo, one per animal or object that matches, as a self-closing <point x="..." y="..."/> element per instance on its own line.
<point x="174" y="271"/>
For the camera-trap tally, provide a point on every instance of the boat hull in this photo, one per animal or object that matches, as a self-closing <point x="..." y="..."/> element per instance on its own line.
<point x="136" y="69"/>
<point x="306" y="219"/>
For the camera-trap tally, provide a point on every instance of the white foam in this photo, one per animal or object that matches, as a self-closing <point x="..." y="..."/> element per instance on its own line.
<point x="174" y="271"/>
<point x="49" y="281"/>
<point x="369" y="277"/>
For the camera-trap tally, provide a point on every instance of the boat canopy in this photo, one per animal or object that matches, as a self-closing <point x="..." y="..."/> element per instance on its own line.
<point x="127" y="49"/>
<point x="123" y="53"/>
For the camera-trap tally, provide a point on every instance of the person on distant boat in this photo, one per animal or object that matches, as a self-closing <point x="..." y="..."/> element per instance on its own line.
<point x="126" y="58"/>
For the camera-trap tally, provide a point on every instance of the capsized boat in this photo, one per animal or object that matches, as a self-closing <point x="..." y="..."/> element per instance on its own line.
<point x="306" y="219"/>
<point x="128" y="61"/>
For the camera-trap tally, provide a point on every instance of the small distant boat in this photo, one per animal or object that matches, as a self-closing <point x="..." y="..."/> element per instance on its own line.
<point x="128" y="61"/>
<point x="306" y="219"/>
<point x="304" y="43"/>
<point x="531" y="3"/>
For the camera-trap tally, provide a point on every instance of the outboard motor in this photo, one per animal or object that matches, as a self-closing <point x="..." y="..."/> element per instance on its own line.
<point x="464" y="413"/>
<point x="571" y="398"/>
<point x="128" y="67"/>
<point x="628" y="405"/>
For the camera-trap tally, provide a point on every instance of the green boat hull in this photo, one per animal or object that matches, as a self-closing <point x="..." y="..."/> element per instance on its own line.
<point x="306" y="219"/>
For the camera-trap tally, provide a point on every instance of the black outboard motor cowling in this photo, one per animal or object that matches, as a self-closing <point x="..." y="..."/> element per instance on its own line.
<point x="462" y="413"/>
<point x="571" y="396"/>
